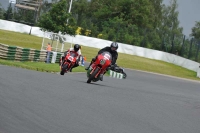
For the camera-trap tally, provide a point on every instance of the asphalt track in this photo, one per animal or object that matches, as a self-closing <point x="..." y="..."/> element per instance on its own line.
<point x="39" y="102"/>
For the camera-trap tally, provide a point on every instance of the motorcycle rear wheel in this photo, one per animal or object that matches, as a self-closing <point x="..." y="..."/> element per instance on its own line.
<point x="91" y="77"/>
<point x="62" y="72"/>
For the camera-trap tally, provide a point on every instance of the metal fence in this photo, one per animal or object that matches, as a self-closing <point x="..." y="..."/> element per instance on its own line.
<point x="183" y="46"/>
<point x="179" y="44"/>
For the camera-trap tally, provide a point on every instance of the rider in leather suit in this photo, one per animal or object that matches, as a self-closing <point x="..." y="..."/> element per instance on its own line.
<point x="113" y="50"/>
<point x="76" y="49"/>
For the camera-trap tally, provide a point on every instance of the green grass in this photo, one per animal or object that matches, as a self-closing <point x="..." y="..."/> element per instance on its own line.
<point x="124" y="60"/>
<point x="20" y="39"/>
<point x="38" y="66"/>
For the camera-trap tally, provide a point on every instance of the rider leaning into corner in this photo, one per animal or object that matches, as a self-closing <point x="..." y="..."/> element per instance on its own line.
<point x="76" y="49"/>
<point x="113" y="50"/>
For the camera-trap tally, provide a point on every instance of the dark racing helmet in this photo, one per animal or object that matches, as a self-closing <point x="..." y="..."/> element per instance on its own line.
<point x="76" y="47"/>
<point x="114" y="46"/>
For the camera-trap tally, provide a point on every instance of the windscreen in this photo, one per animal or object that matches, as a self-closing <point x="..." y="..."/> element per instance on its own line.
<point x="72" y="54"/>
<point x="107" y="55"/>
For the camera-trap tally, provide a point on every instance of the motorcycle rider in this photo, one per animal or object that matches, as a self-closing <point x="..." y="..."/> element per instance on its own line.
<point x="75" y="49"/>
<point x="113" y="50"/>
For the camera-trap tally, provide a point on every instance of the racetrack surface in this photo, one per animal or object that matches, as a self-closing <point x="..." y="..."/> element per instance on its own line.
<point x="39" y="102"/>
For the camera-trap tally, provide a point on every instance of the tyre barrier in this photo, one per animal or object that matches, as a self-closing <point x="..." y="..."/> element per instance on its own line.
<point x="24" y="54"/>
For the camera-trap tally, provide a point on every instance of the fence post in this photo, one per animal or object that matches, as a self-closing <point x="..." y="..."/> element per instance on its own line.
<point x="181" y="53"/>
<point x="172" y="48"/>
<point x="190" y="48"/>
<point x="144" y="39"/>
<point x="197" y="53"/>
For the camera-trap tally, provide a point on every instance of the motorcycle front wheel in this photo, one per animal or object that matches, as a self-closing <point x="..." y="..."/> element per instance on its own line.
<point x="62" y="72"/>
<point x="91" y="76"/>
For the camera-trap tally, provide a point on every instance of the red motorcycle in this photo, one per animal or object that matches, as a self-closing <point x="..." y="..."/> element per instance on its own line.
<point x="68" y="62"/>
<point x="99" y="66"/>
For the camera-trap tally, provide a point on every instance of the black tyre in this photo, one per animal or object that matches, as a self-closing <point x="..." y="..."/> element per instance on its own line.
<point x="91" y="77"/>
<point x="62" y="72"/>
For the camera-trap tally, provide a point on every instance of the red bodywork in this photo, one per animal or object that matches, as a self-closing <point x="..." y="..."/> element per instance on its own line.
<point x="102" y="62"/>
<point x="69" y="60"/>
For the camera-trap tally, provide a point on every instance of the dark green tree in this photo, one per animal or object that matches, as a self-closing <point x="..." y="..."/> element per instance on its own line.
<point x="196" y="34"/>
<point x="196" y="30"/>
<point x="132" y="11"/>
<point x="56" y="20"/>
<point x="1" y="12"/>
<point x="171" y="32"/>
<point x="80" y="10"/>
<point x="24" y="16"/>
<point x="156" y="13"/>
<point x="146" y="23"/>
<point x="46" y="6"/>
<point x="8" y="13"/>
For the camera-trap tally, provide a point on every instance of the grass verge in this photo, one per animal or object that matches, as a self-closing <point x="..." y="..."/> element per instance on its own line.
<point x="38" y="66"/>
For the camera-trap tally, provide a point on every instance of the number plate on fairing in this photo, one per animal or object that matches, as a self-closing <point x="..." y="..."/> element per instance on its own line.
<point x="71" y="58"/>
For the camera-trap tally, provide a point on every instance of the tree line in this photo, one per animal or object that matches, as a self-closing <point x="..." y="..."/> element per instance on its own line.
<point x="144" y="23"/>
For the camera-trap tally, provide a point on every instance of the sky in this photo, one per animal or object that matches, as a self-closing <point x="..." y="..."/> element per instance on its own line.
<point x="189" y="11"/>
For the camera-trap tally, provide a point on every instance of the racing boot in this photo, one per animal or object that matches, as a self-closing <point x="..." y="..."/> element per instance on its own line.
<point x="101" y="77"/>
<point x="70" y="70"/>
<point x="87" y="68"/>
